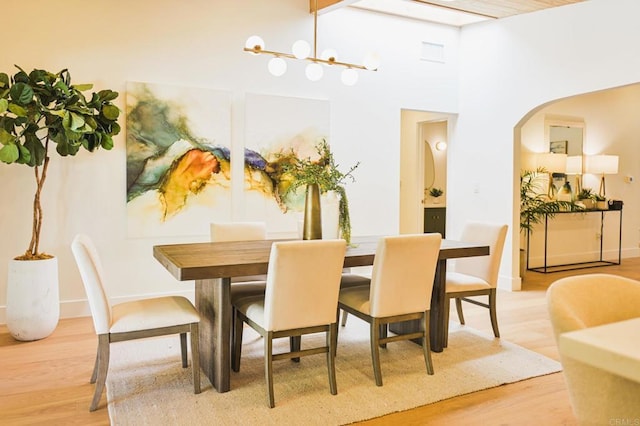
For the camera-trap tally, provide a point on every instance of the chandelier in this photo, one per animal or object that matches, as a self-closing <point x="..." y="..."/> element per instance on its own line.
<point x="301" y="50"/>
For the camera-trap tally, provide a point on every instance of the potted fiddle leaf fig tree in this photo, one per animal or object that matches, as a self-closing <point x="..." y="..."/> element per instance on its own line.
<point x="41" y="110"/>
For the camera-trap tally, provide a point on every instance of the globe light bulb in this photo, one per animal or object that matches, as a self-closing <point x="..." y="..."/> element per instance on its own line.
<point x="254" y="42"/>
<point x="277" y="66"/>
<point x="349" y="77"/>
<point x="371" y="61"/>
<point x="329" y="55"/>
<point x="301" y="49"/>
<point x="314" y="71"/>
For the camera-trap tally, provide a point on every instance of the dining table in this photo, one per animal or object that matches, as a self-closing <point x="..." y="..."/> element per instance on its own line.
<point x="212" y="265"/>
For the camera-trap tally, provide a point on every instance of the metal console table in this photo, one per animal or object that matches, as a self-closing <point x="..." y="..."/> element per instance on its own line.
<point x="545" y="269"/>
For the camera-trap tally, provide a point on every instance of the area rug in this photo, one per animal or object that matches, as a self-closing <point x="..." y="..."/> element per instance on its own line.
<point x="146" y="384"/>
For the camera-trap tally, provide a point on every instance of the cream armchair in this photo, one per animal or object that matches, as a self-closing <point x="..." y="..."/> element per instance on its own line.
<point x="597" y="396"/>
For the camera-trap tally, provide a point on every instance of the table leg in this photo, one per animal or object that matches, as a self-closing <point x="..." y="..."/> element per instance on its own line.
<point x="436" y="320"/>
<point x="214" y="305"/>
<point x="436" y="325"/>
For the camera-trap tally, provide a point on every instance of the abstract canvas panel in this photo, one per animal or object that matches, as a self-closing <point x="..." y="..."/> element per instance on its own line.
<point x="276" y="128"/>
<point x="178" y="159"/>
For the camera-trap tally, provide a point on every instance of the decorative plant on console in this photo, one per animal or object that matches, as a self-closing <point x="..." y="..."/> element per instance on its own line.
<point x="325" y="173"/>
<point x="587" y="198"/>
<point x="535" y="204"/>
<point x="38" y="110"/>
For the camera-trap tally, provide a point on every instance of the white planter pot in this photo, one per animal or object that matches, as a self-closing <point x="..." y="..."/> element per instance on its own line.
<point x="33" y="301"/>
<point x="330" y="208"/>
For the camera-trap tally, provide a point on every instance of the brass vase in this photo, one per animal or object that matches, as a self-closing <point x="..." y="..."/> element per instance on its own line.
<point x="312" y="227"/>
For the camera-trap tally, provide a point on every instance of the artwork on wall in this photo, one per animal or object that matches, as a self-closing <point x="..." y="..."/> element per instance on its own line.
<point x="276" y="128"/>
<point x="178" y="159"/>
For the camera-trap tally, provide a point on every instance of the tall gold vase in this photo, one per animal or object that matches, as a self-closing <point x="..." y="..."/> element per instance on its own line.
<point x="312" y="227"/>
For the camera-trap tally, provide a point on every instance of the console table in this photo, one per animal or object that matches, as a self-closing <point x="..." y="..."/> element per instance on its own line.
<point x="578" y="265"/>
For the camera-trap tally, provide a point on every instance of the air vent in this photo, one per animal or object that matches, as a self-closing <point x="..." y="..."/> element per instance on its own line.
<point x="433" y="52"/>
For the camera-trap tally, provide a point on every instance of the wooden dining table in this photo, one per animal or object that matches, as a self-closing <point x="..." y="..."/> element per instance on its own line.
<point x="212" y="265"/>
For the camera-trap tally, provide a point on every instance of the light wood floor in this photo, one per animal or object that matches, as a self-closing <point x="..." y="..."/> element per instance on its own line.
<point x="47" y="381"/>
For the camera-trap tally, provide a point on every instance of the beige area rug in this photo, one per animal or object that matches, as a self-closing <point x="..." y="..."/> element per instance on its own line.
<point x="147" y="386"/>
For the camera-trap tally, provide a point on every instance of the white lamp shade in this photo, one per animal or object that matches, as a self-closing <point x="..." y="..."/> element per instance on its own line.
<point x="574" y="165"/>
<point x="277" y="66"/>
<point x="301" y="49"/>
<point x="602" y="164"/>
<point x="349" y="77"/>
<point x="371" y="61"/>
<point x="329" y="53"/>
<point x="552" y="162"/>
<point x="254" y="41"/>
<point x="314" y="71"/>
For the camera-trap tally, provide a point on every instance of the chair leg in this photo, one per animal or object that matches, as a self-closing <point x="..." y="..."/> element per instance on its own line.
<point x="195" y="356"/>
<point x="95" y="367"/>
<point x="375" y="351"/>
<point x="103" y="366"/>
<point x="445" y="311"/>
<point x="236" y="351"/>
<point x="294" y="345"/>
<point x="493" y="313"/>
<point x="268" y="367"/>
<point x="383" y="334"/>
<point x="344" y="318"/>
<point x="332" y="338"/>
<point x="426" y="344"/>
<point x="459" y="309"/>
<point x="183" y="349"/>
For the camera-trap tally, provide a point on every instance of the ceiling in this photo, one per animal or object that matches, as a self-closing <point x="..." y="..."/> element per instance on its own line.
<point x="451" y="12"/>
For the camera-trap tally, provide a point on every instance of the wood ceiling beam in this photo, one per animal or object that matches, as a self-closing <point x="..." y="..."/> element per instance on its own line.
<point x="328" y="5"/>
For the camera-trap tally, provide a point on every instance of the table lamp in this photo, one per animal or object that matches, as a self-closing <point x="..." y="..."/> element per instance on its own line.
<point x="574" y="167"/>
<point x="602" y="164"/>
<point x="552" y="163"/>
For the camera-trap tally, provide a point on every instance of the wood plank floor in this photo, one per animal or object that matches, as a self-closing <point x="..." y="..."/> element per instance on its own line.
<point x="47" y="381"/>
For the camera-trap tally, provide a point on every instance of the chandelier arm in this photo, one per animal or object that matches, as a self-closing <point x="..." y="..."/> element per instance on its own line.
<point x="318" y="60"/>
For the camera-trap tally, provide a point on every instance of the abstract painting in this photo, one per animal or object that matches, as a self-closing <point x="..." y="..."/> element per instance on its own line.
<point x="178" y="159"/>
<point x="276" y="128"/>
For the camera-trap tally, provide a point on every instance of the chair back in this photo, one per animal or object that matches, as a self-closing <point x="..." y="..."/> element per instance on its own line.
<point x="485" y="267"/>
<point x="584" y="301"/>
<point x="303" y="282"/>
<point x="403" y="272"/>
<point x="238" y="231"/>
<point x="91" y="272"/>
<point x="590" y="300"/>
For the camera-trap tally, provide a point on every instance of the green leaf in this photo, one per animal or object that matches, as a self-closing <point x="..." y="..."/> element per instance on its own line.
<point x="82" y="87"/>
<point x="21" y="93"/>
<point x="77" y="121"/>
<point x="107" y="95"/>
<point x="35" y="147"/>
<point x="17" y="110"/>
<point x="107" y="142"/>
<point x="25" y="155"/>
<point x="6" y="138"/>
<point x="110" y="112"/>
<point x="9" y="153"/>
<point x="4" y="104"/>
<point x="4" y="80"/>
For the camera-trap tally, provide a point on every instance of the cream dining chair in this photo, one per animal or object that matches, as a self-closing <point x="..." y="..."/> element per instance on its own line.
<point x="241" y="231"/>
<point x="400" y="289"/>
<point x="597" y="396"/>
<point x="476" y="276"/>
<point x="301" y="297"/>
<point x="131" y="320"/>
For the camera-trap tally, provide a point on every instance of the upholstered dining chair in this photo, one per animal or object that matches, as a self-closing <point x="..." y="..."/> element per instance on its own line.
<point x="131" y="320"/>
<point x="301" y="297"/>
<point x="476" y="276"/>
<point x="597" y="397"/>
<point x="400" y="290"/>
<point x="241" y="231"/>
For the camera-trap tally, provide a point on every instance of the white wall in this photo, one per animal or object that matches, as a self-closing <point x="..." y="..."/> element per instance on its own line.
<point x="508" y="68"/>
<point x="199" y="44"/>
